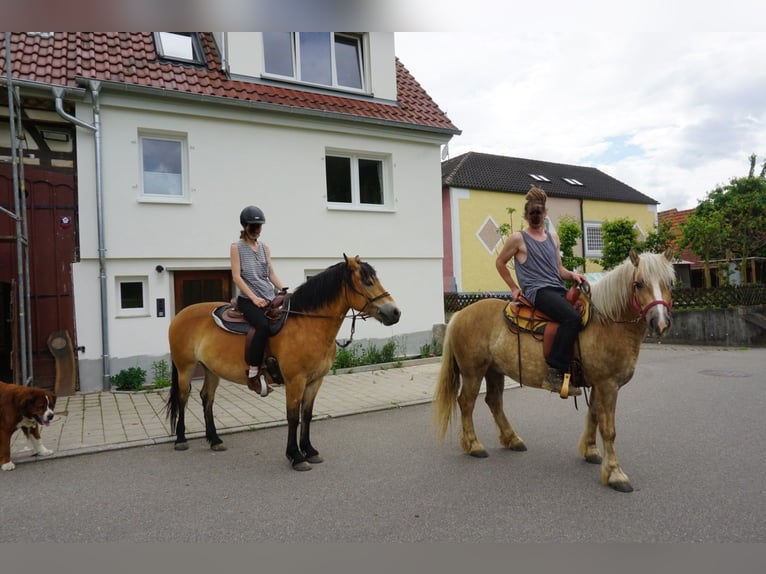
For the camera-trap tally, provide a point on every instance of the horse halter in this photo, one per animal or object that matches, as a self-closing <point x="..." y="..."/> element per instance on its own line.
<point x="643" y="310"/>
<point x="349" y="284"/>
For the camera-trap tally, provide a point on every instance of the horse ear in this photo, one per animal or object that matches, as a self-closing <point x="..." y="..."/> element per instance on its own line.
<point x="668" y="253"/>
<point x="358" y="259"/>
<point x="634" y="257"/>
<point x="345" y="258"/>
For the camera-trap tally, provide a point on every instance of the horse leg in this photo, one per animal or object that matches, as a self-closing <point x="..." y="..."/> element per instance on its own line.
<point x="587" y="447"/>
<point x="177" y="400"/>
<point x="294" y="391"/>
<point x="311" y="454"/>
<point x="494" y="399"/>
<point x="611" y="472"/>
<point x="466" y="400"/>
<point x="207" y="394"/>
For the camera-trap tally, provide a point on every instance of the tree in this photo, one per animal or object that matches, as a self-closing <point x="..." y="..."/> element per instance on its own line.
<point x="659" y="239"/>
<point x="618" y="237"/>
<point x="569" y="232"/>
<point x="740" y="209"/>
<point x="703" y="234"/>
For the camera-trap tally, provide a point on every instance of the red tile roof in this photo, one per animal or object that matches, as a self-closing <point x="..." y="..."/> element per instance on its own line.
<point x="131" y="58"/>
<point x="676" y="218"/>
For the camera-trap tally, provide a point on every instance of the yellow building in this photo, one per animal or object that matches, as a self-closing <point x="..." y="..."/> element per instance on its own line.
<point x="482" y="193"/>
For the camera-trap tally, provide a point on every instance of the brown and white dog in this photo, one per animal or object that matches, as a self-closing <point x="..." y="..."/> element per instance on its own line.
<point x="25" y="408"/>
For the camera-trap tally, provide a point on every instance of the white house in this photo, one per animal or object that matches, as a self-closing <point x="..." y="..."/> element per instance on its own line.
<point x="162" y="138"/>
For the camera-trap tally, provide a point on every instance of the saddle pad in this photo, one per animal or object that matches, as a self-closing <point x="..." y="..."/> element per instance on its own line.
<point x="237" y="327"/>
<point x="524" y="317"/>
<point x="527" y="318"/>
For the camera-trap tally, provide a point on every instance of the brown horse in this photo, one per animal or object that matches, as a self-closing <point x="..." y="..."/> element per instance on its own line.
<point x="628" y="301"/>
<point x="304" y="348"/>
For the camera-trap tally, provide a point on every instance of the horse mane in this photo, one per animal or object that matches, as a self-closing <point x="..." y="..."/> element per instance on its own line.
<point x="323" y="288"/>
<point x="612" y="294"/>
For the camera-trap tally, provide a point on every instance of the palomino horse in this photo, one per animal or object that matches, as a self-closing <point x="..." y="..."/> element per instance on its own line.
<point x="304" y="348"/>
<point x="628" y="301"/>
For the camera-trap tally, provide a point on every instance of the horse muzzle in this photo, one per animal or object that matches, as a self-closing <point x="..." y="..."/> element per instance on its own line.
<point x="658" y="320"/>
<point x="388" y="313"/>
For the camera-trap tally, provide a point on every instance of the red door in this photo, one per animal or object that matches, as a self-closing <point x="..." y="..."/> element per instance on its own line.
<point x="51" y="203"/>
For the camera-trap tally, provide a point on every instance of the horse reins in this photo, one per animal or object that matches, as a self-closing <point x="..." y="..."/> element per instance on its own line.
<point x="354" y="313"/>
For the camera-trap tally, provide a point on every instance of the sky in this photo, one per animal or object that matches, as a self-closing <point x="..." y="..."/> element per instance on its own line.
<point x="670" y="105"/>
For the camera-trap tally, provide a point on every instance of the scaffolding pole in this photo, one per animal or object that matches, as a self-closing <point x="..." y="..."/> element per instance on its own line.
<point x="20" y="217"/>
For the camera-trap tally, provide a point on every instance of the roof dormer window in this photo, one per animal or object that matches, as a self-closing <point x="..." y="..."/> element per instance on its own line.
<point x="182" y="46"/>
<point x="331" y="59"/>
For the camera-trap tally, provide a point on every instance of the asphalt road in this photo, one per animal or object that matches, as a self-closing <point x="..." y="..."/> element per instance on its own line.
<point x="689" y="436"/>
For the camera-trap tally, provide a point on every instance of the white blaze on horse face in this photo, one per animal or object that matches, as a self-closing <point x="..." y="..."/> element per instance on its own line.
<point x="661" y="321"/>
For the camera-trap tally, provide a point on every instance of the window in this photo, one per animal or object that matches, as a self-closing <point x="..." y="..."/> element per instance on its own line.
<point x="354" y="180"/>
<point x="593" y="241"/>
<point x="179" y="46"/>
<point x="132" y="297"/>
<point x="571" y="181"/>
<point x="163" y="168"/>
<point x="538" y="177"/>
<point x="324" y="58"/>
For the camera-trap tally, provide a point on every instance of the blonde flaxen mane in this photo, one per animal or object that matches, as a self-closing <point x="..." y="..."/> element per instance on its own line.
<point x="609" y="295"/>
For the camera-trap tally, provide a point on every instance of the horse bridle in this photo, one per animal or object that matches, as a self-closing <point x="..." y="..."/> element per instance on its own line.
<point x="354" y="313"/>
<point x="643" y="310"/>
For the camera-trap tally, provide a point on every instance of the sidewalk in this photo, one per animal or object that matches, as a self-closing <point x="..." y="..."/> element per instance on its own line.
<point x="94" y="422"/>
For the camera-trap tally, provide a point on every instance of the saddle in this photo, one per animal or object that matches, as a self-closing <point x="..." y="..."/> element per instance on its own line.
<point x="231" y="319"/>
<point x="523" y="316"/>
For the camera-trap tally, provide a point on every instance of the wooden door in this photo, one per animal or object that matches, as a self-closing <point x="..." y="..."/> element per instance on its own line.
<point x="51" y="203"/>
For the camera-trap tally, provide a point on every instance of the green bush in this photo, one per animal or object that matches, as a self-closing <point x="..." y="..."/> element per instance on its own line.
<point x="432" y="349"/>
<point x="130" y="379"/>
<point x="161" y="372"/>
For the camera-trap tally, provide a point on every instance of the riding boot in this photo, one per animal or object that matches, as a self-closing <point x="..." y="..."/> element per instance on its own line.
<point x="554" y="379"/>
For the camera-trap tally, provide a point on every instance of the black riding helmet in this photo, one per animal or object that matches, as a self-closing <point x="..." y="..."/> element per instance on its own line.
<point x="251" y="214"/>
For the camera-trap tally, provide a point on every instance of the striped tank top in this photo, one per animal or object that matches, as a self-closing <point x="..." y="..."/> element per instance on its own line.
<point x="254" y="269"/>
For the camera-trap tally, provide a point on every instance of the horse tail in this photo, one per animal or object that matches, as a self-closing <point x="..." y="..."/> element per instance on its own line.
<point x="447" y="386"/>
<point x="172" y="405"/>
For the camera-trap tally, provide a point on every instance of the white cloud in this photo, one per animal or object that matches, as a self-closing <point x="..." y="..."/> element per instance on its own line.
<point x="672" y="111"/>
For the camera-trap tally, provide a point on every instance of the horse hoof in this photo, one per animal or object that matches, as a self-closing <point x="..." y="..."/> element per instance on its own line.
<point x="593" y="459"/>
<point x="181" y="446"/>
<point x="622" y="487"/>
<point x="518" y="448"/>
<point x="301" y="466"/>
<point x="218" y="447"/>
<point x="479" y="454"/>
<point x="315" y="459"/>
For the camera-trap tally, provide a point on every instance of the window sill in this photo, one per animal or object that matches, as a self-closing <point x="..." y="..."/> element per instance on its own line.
<point x="164" y="199"/>
<point x="358" y="208"/>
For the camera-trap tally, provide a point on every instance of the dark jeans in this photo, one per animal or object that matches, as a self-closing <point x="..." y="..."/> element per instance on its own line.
<point x="257" y="318"/>
<point x="553" y="303"/>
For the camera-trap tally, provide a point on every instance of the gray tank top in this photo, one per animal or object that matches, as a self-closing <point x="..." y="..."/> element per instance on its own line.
<point x="541" y="269"/>
<point x="254" y="269"/>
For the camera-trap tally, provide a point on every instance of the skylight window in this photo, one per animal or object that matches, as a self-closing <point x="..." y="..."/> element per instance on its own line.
<point x="179" y="46"/>
<point x="571" y="181"/>
<point x="538" y="177"/>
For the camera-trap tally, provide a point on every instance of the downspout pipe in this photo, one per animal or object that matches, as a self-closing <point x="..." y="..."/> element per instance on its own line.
<point x="95" y="88"/>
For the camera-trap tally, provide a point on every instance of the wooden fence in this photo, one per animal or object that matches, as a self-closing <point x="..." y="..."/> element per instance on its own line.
<point x="718" y="298"/>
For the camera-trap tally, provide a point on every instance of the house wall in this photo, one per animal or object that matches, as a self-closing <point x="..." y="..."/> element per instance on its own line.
<point x="238" y="156"/>
<point x="474" y="261"/>
<point x="472" y="211"/>
<point x="645" y="217"/>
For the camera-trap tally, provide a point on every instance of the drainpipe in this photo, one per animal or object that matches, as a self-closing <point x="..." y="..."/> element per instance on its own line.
<point x="95" y="87"/>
